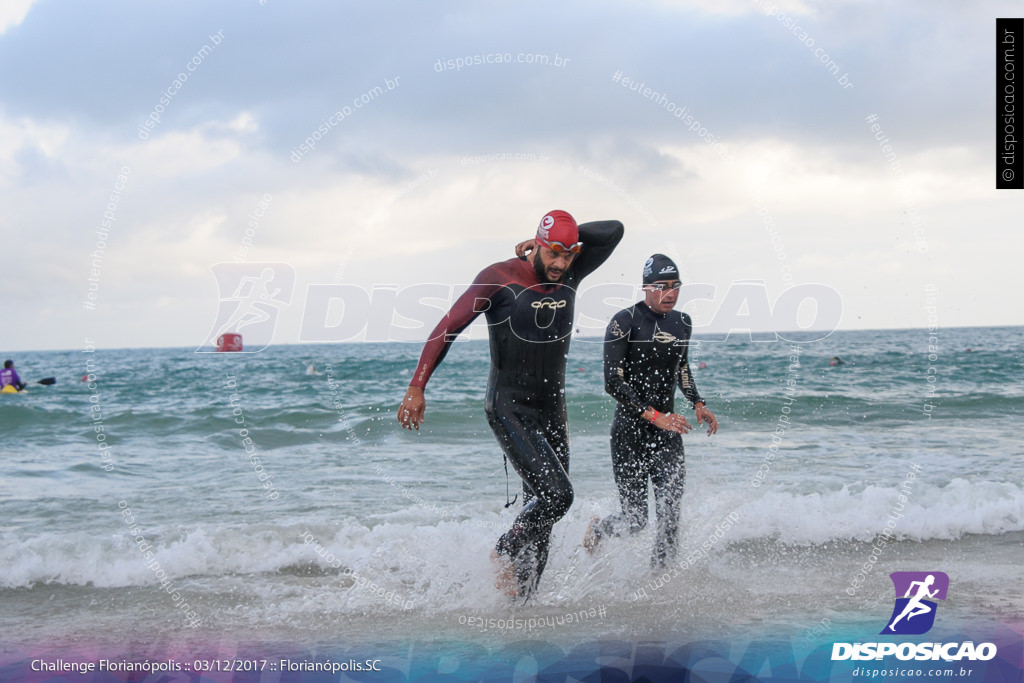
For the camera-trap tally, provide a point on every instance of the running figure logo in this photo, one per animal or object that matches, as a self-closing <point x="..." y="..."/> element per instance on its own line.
<point x="251" y="296"/>
<point x="914" y="613"/>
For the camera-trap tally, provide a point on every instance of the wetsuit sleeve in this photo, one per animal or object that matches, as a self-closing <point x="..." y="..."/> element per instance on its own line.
<point x="463" y="312"/>
<point x="599" y="241"/>
<point x="685" y="378"/>
<point x="616" y="349"/>
<point x="687" y="386"/>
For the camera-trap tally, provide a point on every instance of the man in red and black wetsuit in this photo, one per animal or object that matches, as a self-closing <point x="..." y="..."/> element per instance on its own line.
<point x="529" y="304"/>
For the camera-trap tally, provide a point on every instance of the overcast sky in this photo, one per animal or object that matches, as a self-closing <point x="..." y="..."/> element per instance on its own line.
<point x="439" y="170"/>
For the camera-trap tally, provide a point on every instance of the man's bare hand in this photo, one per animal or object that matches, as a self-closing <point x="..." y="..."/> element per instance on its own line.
<point x="673" y="423"/>
<point x="705" y="415"/>
<point x="410" y="412"/>
<point x="524" y="248"/>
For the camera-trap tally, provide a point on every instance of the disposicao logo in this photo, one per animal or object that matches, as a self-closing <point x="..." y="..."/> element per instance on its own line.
<point x="914" y="613"/>
<point x="917" y="594"/>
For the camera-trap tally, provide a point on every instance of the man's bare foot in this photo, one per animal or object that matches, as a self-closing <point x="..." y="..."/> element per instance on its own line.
<point x="505" y="575"/>
<point x="592" y="538"/>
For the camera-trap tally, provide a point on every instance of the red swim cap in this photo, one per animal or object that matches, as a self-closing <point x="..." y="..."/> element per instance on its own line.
<point x="558" y="226"/>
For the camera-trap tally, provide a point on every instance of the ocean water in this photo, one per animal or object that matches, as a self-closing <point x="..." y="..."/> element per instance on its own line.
<point x="214" y="499"/>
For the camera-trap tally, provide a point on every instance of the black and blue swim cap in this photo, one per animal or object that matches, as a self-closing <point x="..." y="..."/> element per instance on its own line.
<point x="660" y="267"/>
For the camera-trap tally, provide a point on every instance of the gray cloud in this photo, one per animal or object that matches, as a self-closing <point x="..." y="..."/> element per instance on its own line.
<point x="93" y="73"/>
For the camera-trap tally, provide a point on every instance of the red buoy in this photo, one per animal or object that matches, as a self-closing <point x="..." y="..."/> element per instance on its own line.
<point x="231" y="341"/>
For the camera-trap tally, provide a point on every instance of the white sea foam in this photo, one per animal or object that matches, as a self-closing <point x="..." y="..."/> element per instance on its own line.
<point x="432" y="559"/>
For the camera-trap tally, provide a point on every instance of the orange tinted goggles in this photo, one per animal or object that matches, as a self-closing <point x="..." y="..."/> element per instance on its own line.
<point x="558" y="247"/>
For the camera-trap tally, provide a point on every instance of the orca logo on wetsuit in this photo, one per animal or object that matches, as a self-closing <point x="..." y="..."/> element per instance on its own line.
<point x="542" y="320"/>
<point x="550" y="303"/>
<point x="541" y="315"/>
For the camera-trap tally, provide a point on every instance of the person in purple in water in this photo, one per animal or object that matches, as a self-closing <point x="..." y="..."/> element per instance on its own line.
<point x="529" y="303"/>
<point x="9" y="376"/>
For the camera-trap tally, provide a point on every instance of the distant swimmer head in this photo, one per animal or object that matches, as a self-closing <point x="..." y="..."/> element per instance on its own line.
<point x="559" y="235"/>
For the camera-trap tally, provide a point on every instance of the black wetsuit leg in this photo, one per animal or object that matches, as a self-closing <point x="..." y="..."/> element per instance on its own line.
<point x="631" y="469"/>
<point x="668" y="474"/>
<point x="639" y="451"/>
<point x="536" y="444"/>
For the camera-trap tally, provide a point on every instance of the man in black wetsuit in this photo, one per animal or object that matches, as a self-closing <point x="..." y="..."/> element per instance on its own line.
<point x="529" y="306"/>
<point x="645" y="358"/>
